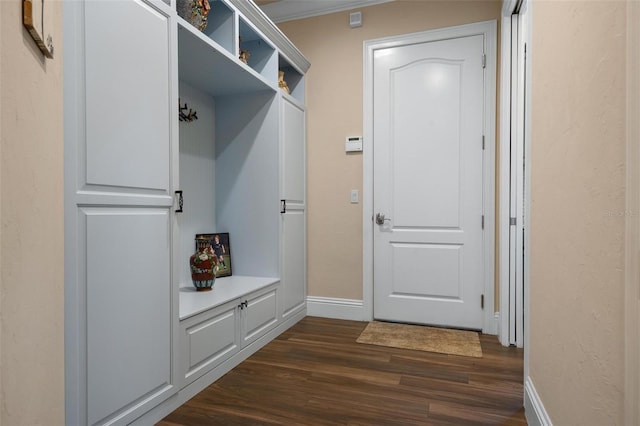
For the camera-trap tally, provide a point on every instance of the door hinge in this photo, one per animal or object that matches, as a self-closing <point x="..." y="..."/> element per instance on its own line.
<point x="483" y="142"/>
<point x="482" y="301"/>
<point x="482" y="221"/>
<point x="484" y="60"/>
<point x="512" y="221"/>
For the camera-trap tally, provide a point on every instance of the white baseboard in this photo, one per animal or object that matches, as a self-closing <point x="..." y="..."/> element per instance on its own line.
<point x="327" y="307"/>
<point x="496" y="324"/>
<point x="533" y="409"/>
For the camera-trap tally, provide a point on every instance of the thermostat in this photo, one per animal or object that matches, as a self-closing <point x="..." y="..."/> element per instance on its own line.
<point x="353" y="144"/>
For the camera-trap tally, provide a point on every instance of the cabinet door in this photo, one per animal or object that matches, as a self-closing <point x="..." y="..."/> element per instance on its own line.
<point x="120" y="304"/>
<point x="259" y="315"/>
<point x="209" y="339"/>
<point x="292" y="159"/>
<point x="294" y="272"/>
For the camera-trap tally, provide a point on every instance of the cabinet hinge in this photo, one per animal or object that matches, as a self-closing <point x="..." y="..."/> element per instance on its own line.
<point x="482" y="221"/>
<point x="482" y="301"/>
<point x="484" y="60"/>
<point x="483" y="142"/>
<point x="512" y="221"/>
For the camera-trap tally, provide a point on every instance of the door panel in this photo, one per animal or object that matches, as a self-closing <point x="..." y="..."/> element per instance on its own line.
<point x="293" y="153"/>
<point x="127" y="95"/>
<point x="259" y="315"/>
<point x="294" y="282"/>
<point x="428" y="180"/>
<point x="427" y="270"/>
<point x="128" y="307"/>
<point x="208" y="340"/>
<point x="426" y="140"/>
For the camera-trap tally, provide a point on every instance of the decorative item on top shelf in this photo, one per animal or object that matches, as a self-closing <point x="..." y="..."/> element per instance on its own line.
<point x="186" y="116"/>
<point x="244" y="54"/>
<point x="221" y="247"/>
<point x="281" y="83"/>
<point x="195" y="12"/>
<point x="204" y="265"/>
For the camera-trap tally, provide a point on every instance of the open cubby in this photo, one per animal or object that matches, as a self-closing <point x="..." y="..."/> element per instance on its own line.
<point x="220" y="26"/>
<point x="205" y="64"/>
<point x="262" y="55"/>
<point x="293" y="77"/>
<point x="229" y="175"/>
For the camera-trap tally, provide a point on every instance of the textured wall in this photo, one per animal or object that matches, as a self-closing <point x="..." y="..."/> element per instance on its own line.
<point x="334" y="101"/>
<point x="32" y="223"/>
<point x="577" y="210"/>
<point x="632" y="247"/>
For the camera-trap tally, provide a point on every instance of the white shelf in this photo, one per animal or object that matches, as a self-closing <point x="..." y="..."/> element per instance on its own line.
<point x="205" y="64"/>
<point x="226" y="289"/>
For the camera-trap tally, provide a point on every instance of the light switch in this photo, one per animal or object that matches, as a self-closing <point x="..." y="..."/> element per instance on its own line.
<point x="355" y="196"/>
<point x="353" y="144"/>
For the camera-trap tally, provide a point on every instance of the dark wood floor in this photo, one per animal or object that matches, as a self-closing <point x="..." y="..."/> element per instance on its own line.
<point x="316" y="374"/>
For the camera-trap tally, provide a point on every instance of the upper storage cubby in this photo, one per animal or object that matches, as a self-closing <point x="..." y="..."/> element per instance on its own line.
<point x="237" y="31"/>
<point x="256" y="52"/>
<point x="293" y="79"/>
<point x="220" y="26"/>
<point x="206" y="65"/>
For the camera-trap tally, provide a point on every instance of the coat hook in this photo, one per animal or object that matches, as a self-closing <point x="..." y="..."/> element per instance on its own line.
<point x="188" y="117"/>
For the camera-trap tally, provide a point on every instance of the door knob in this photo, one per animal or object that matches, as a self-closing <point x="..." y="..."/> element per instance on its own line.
<point x="380" y="219"/>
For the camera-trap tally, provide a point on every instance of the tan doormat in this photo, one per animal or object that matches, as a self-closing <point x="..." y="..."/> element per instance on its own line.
<point x="422" y="338"/>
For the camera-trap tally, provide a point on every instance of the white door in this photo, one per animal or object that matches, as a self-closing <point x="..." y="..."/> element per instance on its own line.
<point x="428" y="182"/>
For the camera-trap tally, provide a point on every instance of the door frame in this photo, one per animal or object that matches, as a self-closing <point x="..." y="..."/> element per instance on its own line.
<point x="488" y="29"/>
<point x="515" y="100"/>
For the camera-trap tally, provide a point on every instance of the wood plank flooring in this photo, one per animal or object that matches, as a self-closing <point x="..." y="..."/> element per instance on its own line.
<point x="316" y="374"/>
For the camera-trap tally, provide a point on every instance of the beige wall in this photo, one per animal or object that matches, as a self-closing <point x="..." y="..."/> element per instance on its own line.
<point x="334" y="101"/>
<point x="32" y="222"/>
<point x="632" y="195"/>
<point x="577" y="210"/>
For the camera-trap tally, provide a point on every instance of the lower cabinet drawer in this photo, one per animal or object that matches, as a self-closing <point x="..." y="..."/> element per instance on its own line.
<point x="209" y="339"/>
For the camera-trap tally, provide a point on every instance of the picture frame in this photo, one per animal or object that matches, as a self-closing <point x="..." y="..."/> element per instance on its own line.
<point x="33" y="19"/>
<point x="221" y="245"/>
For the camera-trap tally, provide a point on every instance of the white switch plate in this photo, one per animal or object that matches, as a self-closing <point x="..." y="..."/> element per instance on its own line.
<point x="355" y="196"/>
<point x="353" y="144"/>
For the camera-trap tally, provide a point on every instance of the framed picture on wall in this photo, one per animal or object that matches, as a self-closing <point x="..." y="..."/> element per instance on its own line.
<point x="222" y="249"/>
<point x="36" y="21"/>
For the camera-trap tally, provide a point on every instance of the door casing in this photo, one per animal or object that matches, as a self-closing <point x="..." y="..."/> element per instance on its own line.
<point x="489" y="30"/>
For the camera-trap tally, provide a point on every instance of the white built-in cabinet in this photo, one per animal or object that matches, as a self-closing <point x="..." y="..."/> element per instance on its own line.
<point x="139" y="341"/>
